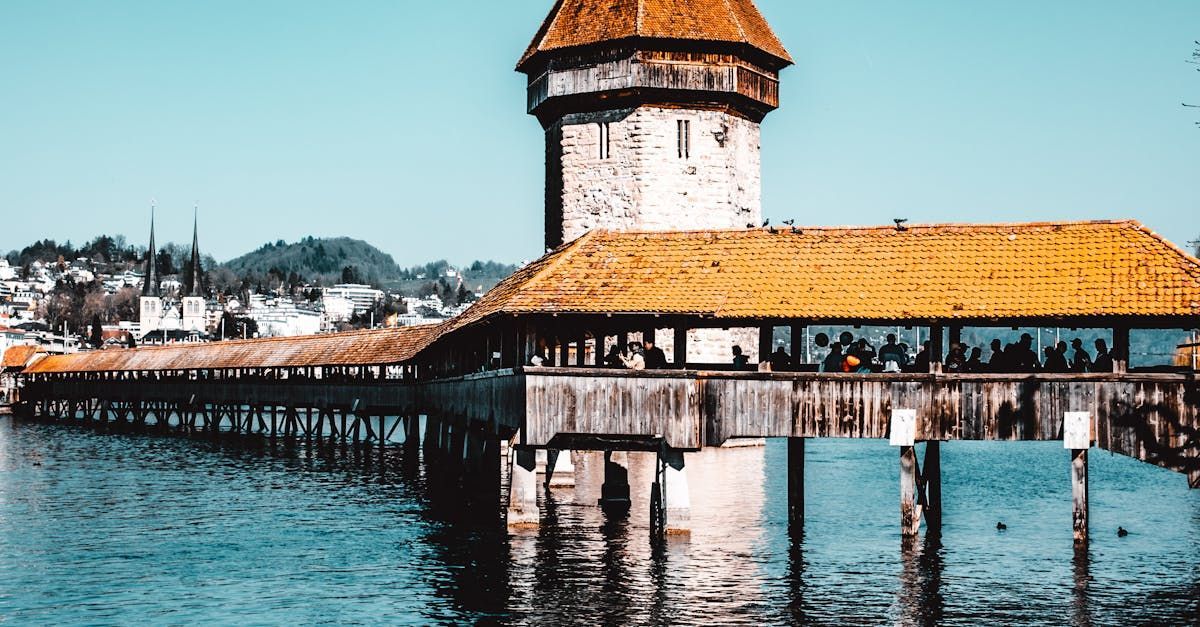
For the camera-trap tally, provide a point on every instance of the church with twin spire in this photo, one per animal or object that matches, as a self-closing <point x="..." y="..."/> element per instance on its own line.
<point x="184" y="311"/>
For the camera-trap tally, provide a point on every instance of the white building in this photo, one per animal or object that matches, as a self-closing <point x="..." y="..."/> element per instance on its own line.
<point x="364" y="297"/>
<point x="283" y="317"/>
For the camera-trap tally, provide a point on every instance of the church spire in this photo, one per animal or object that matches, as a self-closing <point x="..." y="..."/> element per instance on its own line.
<point x="196" y="280"/>
<point x="150" y="284"/>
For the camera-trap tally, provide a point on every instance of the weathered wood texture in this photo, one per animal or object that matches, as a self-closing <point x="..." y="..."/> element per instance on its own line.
<point x="496" y="399"/>
<point x="613" y="403"/>
<point x="713" y="73"/>
<point x="377" y="398"/>
<point x="1150" y="417"/>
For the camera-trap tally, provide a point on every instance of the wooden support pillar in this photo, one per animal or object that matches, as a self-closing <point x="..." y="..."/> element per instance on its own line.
<point x="766" y="339"/>
<point x="564" y="353"/>
<point x="931" y="477"/>
<point x="600" y="348"/>
<point x="581" y="351"/>
<point x="680" y="349"/>
<point x="797" y="347"/>
<point x="614" y="492"/>
<point x="795" y="485"/>
<point x="910" y="503"/>
<point x="522" y="511"/>
<point x="937" y="352"/>
<point x="1079" y="495"/>
<point x="1120" y="350"/>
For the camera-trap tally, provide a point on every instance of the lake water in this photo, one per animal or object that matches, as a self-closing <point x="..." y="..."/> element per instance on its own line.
<point x="102" y="529"/>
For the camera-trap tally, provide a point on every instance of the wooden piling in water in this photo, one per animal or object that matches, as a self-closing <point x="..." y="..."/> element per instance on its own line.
<point x="910" y="503"/>
<point x="795" y="475"/>
<point x="1079" y="495"/>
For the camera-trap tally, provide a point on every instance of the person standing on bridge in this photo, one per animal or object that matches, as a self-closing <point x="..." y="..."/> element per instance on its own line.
<point x="1104" y="361"/>
<point x="634" y="360"/>
<point x="740" y="360"/>
<point x="655" y="358"/>
<point x="1081" y="361"/>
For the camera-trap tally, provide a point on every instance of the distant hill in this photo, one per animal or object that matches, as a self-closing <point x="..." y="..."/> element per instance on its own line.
<point x="324" y="261"/>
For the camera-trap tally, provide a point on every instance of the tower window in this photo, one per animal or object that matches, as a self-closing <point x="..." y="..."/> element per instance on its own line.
<point x="604" y="140"/>
<point x="685" y="139"/>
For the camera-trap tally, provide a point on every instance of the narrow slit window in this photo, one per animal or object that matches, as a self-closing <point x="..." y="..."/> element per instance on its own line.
<point x="685" y="139"/>
<point x="604" y="140"/>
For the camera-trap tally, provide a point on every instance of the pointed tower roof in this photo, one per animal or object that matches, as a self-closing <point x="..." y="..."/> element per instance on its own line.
<point x="195" y="281"/>
<point x="574" y="23"/>
<point x="150" y="284"/>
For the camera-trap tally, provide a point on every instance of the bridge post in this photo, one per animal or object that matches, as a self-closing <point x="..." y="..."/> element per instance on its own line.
<point x="412" y="431"/>
<point x="1077" y="436"/>
<point x="795" y="494"/>
<point x="676" y="493"/>
<point x="1079" y="495"/>
<point x="522" y="512"/>
<point x="931" y="477"/>
<point x="910" y="503"/>
<point x="433" y="430"/>
<point x="614" y="492"/>
<point x="560" y="469"/>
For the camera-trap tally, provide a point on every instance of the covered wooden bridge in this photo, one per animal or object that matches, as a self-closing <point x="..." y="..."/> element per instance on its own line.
<point x="472" y="376"/>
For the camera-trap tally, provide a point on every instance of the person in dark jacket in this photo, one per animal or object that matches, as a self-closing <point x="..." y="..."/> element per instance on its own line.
<point x="655" y="358"/>
<point x="1104" y="360"/>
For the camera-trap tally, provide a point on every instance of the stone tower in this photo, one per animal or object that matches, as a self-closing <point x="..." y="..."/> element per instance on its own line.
<point x="193" y="302"/>
<point x="150" y="304"/>
<point x="652" y="112"/>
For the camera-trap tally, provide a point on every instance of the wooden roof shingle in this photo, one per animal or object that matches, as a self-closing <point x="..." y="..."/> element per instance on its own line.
<point x="573" y="23"/>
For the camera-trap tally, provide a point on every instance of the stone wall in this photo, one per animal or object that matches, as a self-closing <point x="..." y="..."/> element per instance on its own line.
<point x="642" y="182"/>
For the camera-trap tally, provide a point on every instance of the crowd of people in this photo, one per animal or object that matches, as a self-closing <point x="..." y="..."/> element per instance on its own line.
<point x="851" y="355"/>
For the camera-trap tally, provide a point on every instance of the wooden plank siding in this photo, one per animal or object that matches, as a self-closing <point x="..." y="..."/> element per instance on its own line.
<point x="613" y="403"/>
<point x="1150" y="417"/>
<point x="379" y="398"/>
<point x="713" y="73"/>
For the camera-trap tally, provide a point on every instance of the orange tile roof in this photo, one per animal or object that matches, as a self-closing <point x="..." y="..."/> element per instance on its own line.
<point x="574" y="23"/>
<point x="368" y="348"/>
<point x="981" y="272"/>
<point x="18" y="356"/>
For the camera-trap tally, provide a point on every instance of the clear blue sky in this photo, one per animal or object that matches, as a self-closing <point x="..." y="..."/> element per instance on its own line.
<point x="402" y="122"/>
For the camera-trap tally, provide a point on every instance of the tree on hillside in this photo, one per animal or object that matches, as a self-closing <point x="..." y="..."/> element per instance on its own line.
<point x="463" y="296"/>
<point x="96" y="338"/>
<point x="164" y="262"/>
<point x="350" y="274"/>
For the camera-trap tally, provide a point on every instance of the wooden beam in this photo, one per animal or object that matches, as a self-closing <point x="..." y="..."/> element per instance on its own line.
<point x="766" y="339"/>
<point x="795" y="475"/>
<point x="600" y="348"/>
<point x="798" y="334"/>
<point x="910" y="504"/>
<point x="680" y="348"/>
<point x="1079" y="495"/>
<point x="937" y="352"/>
<point x="1120" y="349"/>
<point x="931" y="476"/>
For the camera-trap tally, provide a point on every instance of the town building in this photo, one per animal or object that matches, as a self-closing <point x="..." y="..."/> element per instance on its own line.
<point x="364" y="297"/>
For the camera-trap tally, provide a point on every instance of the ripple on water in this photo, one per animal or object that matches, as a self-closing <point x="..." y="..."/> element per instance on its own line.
<point x="102" y="528"/>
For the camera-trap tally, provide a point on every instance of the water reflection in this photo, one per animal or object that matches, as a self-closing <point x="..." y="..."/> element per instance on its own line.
<point x="250" y="530"/>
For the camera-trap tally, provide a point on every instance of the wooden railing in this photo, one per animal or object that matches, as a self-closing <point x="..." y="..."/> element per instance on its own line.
<point x="1152" y="417"/>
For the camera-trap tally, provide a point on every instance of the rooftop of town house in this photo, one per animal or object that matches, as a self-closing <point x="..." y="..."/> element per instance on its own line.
<point x="576" y="23"/>
<point x="18" y="356"/>
<point x="967" y="273"/>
